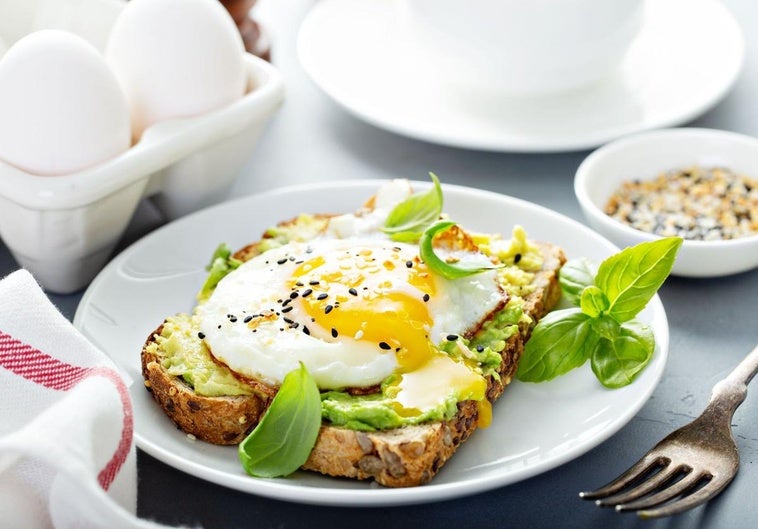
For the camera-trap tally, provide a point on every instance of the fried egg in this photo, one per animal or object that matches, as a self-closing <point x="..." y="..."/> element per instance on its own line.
<point x="354" y="311"/>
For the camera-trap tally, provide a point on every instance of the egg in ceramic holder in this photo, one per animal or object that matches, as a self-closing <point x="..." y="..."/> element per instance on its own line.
<point x="64" y="228"/>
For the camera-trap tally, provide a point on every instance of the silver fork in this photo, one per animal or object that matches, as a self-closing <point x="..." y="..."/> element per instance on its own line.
<point x="689" y="466"/>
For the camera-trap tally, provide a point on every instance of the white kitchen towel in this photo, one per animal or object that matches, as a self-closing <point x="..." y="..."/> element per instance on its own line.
<point x="67" y="457"/>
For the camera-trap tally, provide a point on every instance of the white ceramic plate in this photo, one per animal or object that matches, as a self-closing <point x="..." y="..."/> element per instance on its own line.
<point x="362" y="54"/>
<point x="535" y="427"/>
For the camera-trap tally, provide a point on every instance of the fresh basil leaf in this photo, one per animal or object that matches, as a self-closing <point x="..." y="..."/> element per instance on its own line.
<point x="438" y="265"/>
<point x="630" y="278"/>
<point x="617" y="363"/>
<point x="407" y="221"/>
<point x="287" y="432"/>
<point x="593" y="301"/>
<point x="560" y="342"/>
<point x="606" y="327"/>
<point x="220" y="265"/>
<point x="574" y="276"/>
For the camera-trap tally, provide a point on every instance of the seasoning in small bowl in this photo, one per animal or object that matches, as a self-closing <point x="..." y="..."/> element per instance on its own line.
<point x="698" y="184"/>
<point x="695" y="203"/>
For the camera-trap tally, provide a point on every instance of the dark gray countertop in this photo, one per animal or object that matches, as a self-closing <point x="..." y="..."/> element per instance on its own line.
<point x="713" y="322"/>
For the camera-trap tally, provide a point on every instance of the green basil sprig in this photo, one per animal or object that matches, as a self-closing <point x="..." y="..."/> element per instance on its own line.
<point x="601" y="328"/>
<point x="407" y="220"/>
<point x="438" y="265"/>
<point x="287" y="432"/>
<point x="221" y="264"/>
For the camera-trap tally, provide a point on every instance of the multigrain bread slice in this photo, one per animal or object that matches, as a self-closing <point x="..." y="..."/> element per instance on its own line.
<point x="401" y="457"/>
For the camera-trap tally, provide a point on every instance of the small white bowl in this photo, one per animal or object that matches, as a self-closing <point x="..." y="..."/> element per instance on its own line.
<point x="645" y="156"/>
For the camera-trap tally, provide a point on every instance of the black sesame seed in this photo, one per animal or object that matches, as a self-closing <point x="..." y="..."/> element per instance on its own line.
<point x="287" y="320"/>
<point x="322" y="296"/>
<point x="334" y="333"/>
<point x="248" y="319"/>
<point x="287" y="309"/>
<point x="426" y="297"/>
<point x="479" y="348"/>
<point x="452" y="337"/>
<point x="286" y="302"/>
<point x="293" y="295"/>
<point x="200" y="335"/>
<point x="281" y="261"/>
<point x="409" y="264"/>
<point x="516" y="258"/>
<point x="385" y="346"/>
<point x="300" y="283"/>
<point x="307" y="292"/>
<point x="353" y="291"/>
<point x="305" y="330"/>
<point x="313" y="282"/>
<point x="328" y="309"/>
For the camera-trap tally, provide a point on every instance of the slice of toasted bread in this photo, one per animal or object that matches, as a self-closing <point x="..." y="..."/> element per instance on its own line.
<point x="401" y="457"/>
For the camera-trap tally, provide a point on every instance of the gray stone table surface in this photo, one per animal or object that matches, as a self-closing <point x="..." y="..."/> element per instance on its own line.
<point x="713" y="322"/>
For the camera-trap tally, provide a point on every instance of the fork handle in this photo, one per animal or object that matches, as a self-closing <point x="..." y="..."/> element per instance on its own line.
<point x="730" y="392"/>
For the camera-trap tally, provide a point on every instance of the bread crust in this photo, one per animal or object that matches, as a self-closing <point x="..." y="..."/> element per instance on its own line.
<point x="219" y="420"/>
<point x="401" y="457"/>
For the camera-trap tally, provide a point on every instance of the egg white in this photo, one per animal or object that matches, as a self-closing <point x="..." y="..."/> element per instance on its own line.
<point x="273" y="342"/>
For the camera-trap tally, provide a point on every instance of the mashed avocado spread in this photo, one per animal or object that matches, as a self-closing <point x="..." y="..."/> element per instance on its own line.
<point x="183" y="353"/>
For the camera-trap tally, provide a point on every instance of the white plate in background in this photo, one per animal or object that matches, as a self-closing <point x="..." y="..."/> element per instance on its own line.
<point x="362" y="54"/>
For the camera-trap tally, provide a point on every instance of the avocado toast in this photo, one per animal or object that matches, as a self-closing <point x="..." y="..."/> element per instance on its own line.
<point x="359" y="438"/>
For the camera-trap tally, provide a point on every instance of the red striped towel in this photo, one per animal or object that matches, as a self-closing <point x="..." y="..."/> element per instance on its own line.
<point x="67" y="458"/>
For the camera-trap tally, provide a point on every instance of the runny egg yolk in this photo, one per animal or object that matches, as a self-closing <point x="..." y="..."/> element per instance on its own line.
<point x="380" y="296"/>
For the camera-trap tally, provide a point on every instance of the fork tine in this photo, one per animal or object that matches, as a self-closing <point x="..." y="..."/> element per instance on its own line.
<point x="642" y="467"/>
<point x="689" y="482"/>
<point x="688" y="502"/>
<point x="710" y="490"/>
<point x="656" y="481"/>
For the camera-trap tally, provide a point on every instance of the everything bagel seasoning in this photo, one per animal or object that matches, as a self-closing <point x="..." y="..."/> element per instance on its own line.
<point x="694" y="203"/>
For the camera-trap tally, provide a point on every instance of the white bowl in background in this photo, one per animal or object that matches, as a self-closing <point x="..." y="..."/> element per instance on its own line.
<point x="519" y="47"/>
<point x="644" y="156"/>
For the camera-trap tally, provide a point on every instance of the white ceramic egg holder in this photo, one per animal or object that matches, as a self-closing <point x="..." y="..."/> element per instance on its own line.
<point x="63" y="229"/>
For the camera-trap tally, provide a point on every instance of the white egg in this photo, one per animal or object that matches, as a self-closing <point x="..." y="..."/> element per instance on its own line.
<point x="176" y="58"/>
<point x="354" y="311"/>
<point x="3" y="47"/>
<point x="61" y="108"/>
